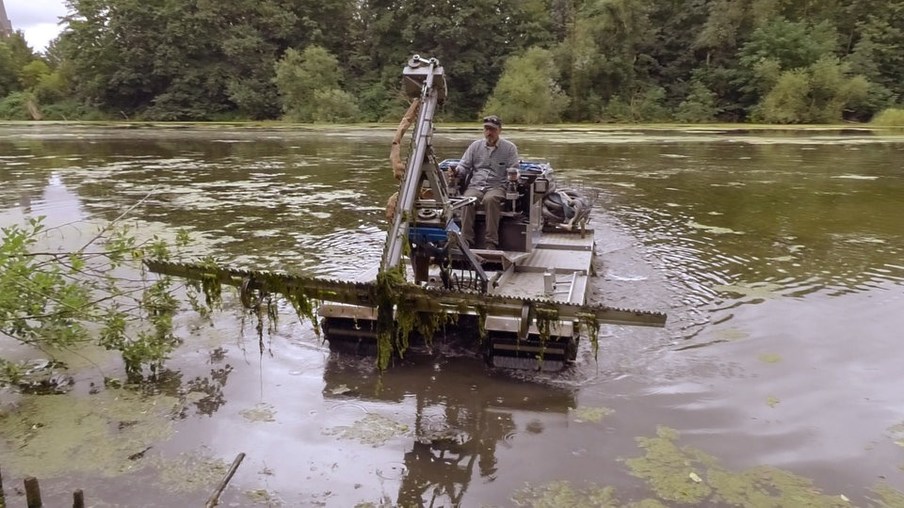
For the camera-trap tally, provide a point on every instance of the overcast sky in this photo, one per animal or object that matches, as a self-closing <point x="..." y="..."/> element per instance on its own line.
<point x="37" y="19"/>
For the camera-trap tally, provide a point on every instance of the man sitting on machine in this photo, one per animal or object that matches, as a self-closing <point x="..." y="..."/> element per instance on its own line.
<point x="485" y="163"/>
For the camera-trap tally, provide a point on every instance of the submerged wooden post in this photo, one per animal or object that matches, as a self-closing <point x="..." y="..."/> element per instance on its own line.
<point x="78" y="499"/>
<point x="215" y="497"/>
<point x="33" y="493"/>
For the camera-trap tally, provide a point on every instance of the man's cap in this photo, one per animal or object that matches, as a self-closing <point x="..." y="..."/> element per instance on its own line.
<point x="492" y="121"/>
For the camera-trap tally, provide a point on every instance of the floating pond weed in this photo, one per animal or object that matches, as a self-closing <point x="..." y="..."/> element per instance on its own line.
<point x="671" y="470"/>
<point x="260" y="413"/>
<point x="373" y="430"/>
<point x="667" y="468"/>
<point x="61" y="434"/>
<point x="897" y="433"/>
<point x="888" y="497"/>
<point x="190" y="472"/>
<point x="590" y="414"/>
<point x="559" y="494"/>
<point x="770" y="358"/>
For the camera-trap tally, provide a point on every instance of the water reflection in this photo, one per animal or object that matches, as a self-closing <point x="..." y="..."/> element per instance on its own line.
<point x="208" y="390"/>
<point x="204" y="393"/>
<point x="462" y="418"/>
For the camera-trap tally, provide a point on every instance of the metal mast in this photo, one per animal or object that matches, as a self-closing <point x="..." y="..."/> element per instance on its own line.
<point x="425" y="78"/>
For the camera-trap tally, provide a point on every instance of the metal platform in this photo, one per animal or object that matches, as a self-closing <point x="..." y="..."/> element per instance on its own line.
<point x="566" y="241"/>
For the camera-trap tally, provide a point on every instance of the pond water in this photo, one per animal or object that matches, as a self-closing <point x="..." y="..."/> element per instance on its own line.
<point x="779" y="258"/>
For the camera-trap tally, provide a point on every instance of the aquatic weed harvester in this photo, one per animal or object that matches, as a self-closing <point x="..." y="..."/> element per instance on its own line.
<point x="522" y="305"/>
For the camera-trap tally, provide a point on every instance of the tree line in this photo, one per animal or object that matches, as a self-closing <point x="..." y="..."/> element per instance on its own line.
<point x="531" y="61"/>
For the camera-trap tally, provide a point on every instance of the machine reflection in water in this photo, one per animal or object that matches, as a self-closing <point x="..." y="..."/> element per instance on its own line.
<point x="457" y="427"/>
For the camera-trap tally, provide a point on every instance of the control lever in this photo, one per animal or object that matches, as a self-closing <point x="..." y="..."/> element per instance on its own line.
<point x="511" y="191"/>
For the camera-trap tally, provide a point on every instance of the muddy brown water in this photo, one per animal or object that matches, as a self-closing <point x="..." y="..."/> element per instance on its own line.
<point x="778" y="381"/>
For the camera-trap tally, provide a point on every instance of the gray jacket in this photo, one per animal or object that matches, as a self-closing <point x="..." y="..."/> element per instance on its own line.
<point x="488" y="164"/>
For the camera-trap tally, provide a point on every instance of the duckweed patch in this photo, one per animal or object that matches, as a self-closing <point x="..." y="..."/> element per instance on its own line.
<point x="259" y="413"/>
<point x="667" y="468"/>
<point x="341" y="389"/>
<point x="731" y="334"/>
<point x="373" y="430"/>
<point x="897" y="433"/>
<point x="770" y="358"/>
<point x="670" y="469"/>
<point x="888" y="497"/>
<point x="764" y="290"/>
<point x="590" y="414"/>
<point x="647" y="503"/>
<point x="53" y="435"/>
<point x="261" y="497"/>
<point x="716" y="230"/>
<point x="562" y="493"/>
<point x="190" y="472"/>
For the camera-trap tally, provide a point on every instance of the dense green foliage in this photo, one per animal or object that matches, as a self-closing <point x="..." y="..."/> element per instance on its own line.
<point x="776" y="61"/>
<point x="528" y="91"/>
<point x="309" y="87"/>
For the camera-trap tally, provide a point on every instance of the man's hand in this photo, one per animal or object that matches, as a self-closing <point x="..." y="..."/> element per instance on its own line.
<point x="451" y="174"/>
